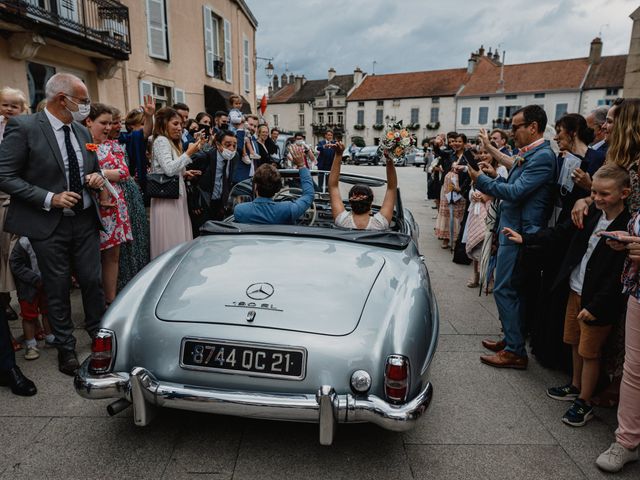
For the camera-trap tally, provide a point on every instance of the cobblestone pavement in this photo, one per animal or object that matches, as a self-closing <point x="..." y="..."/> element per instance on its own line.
<point x="483" y="423"/>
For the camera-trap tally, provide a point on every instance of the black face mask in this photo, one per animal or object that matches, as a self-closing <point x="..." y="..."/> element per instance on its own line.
<point x="360" y="206"/>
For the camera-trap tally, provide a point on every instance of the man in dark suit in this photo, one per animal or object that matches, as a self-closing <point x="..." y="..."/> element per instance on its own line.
<point x="48" y="169"/>
<point x="215" y="165"/>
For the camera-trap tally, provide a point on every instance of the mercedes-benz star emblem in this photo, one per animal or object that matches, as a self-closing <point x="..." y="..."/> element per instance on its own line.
<point x="260" y="291"/>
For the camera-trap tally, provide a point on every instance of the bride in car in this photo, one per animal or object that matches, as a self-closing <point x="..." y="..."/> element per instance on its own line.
<point x="361" y="199"/>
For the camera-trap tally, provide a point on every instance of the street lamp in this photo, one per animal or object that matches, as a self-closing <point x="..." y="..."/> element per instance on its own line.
<point x="269" y="68"/>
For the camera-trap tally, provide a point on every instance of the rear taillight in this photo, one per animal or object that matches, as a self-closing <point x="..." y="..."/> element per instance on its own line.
<point x="396" y="378"/>
<point x="102" y="351"/>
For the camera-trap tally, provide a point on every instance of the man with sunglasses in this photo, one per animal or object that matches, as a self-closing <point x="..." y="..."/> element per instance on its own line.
<point x="525" y="202"/>
<point x="48" y="165"/>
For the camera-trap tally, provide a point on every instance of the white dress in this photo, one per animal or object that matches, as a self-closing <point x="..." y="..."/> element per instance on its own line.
<point x="376" y="222"/>
<point x="169" y="218"/>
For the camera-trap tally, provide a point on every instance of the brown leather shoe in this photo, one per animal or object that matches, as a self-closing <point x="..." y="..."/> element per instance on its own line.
<point x="505" y="359"/>
<point x="494" y="346"/>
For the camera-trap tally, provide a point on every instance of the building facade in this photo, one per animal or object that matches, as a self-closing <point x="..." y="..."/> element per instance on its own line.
<point x="197" y="52"/>
<point x="423" y="101"/>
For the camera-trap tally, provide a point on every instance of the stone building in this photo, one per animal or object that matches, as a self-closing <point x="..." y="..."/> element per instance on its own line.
<point x="197" y="51"/>
<point x="311" y="106"/>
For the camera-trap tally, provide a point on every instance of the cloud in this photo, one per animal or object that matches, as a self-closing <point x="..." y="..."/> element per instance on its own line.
<point x="309" y="36"/>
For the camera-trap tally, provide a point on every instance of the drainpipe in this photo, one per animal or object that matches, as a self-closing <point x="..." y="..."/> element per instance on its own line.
<point x="125" y="86"/>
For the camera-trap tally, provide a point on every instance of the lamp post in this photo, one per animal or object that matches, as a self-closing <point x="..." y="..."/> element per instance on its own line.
<point x="269" y="68"/>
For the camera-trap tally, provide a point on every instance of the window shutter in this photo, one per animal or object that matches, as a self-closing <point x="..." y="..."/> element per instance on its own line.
<point x="157" y="29"/>
<point x="178" y="96"/>
<point x="68" y="9"/>
<point x="228" y="70"/>
<point x="208" y="40"/>
<point x="146" y="88"/>
<point x="245" y="53"/>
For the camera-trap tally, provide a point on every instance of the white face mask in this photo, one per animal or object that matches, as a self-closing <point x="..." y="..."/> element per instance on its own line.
<point x="299" y="142"/>
<point x="227" y="154"/>
<point x="82" y="113"/>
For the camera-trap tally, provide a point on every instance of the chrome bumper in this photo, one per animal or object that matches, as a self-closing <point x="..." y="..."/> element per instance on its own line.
<point x="324" y="407"/>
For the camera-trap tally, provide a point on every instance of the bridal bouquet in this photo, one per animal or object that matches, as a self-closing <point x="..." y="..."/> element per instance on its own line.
<point x="397" y="140"/>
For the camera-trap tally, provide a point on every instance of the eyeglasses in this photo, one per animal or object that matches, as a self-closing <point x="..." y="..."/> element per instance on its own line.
<point x="83" y="101"/>
<point x="514" y="127"/>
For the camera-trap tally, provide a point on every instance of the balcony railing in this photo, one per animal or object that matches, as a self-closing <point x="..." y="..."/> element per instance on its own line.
<point x="97" y="25"/>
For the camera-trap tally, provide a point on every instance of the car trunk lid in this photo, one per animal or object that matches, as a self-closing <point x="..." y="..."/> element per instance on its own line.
<point x="307" y="285"/>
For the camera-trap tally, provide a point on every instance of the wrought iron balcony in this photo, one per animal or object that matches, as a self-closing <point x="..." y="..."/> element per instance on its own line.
<point x="97" y="25"/>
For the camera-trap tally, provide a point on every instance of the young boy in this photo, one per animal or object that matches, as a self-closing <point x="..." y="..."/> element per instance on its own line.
<point x="31" y="296"/>
<point x="592" y="272"/>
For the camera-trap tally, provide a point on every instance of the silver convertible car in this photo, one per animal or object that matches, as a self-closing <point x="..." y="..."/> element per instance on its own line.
<point x="308" y="323"/>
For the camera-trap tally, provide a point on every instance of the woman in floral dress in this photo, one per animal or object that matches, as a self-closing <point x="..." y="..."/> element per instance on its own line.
<point x="134" y="255"/>
<point x="115" y="217"/>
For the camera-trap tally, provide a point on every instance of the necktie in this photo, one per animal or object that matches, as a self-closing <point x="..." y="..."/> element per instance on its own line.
<point x="75" y="182"/>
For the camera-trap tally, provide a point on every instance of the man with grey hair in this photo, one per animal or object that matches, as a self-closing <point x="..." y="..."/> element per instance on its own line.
<point x="48" y="168"/>
<point x="595" y="120"/>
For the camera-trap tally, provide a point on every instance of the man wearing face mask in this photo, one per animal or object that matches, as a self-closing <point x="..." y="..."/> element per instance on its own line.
<point x="47" y="167"/>
<point x="215" y="165"/>
<point x="266" y="183"/>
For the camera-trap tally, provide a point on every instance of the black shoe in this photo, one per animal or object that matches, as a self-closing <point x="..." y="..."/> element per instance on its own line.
<point x="19" y="384"/>
<point x="566" y="393"/>
<point x="578" y="414"/>
<point x="68" y="362"/>
<point x="10" y="313"/>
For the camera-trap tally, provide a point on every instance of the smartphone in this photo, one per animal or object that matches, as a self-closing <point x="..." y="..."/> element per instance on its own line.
<point x="468" y="155"/>
<point x="206" y="130"/>
<point x="610" y="236"/>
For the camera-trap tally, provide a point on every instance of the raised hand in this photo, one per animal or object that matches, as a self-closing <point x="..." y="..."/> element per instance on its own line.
<point x="149" y="106"/>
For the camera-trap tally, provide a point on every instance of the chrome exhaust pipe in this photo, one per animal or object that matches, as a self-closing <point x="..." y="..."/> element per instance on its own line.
<point x="118" y="406"/>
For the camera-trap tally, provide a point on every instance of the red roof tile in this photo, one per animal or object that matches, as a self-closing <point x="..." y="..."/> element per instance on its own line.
<point x="435" y="83"/>
<point x="609" y="73"/>
<point x="283" y="94"/>
<point x="527" y="77"/>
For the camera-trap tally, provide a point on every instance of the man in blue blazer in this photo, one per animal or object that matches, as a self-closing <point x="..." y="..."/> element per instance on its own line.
<point x="526" y="198"/>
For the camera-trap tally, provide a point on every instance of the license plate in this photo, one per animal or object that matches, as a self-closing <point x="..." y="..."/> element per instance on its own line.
<point x="243" y="358"/>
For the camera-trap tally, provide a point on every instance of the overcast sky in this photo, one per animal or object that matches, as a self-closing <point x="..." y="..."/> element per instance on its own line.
<point x="309" y="36"/>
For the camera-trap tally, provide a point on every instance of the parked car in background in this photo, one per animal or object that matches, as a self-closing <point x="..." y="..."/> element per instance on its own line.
<point x="369" y="155"/>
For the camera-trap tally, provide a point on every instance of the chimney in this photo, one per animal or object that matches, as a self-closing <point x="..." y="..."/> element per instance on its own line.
<point x="357" y="76"/>
<point x="595" y="54"/>
<point x="292" y="78"/>
<point x="489" y="54"/>
<point x="471" y="65"/>
<point x="332" y="73"/>
<point x="275" y="83"/>
<point x="299" y="81"/>
<point x="496" y="57"/>
<point x="270" y="91"/>
<point x="283" y="80"/>
<point x="481" y="51"/>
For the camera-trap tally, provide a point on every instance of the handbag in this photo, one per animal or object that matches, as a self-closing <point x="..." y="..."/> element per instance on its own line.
<point x="160" y="185"/>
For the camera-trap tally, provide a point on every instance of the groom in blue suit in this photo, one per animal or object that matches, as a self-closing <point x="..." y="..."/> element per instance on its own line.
<point x="525" y="206"/>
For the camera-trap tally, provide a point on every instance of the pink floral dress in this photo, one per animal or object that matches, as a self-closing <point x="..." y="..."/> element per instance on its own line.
<point x="117" y="227"/>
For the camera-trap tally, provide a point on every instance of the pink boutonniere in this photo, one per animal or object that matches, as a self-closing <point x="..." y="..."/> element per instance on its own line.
<point x="519" y="160"/>
<point x="92" y="147"/>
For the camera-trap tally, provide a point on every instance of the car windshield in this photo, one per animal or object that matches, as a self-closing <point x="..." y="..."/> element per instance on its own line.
<point x="320" y="215"/>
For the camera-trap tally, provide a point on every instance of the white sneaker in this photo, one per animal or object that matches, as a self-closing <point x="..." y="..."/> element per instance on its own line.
<point x="31" y="353"/>
<point x="615" y="457"/>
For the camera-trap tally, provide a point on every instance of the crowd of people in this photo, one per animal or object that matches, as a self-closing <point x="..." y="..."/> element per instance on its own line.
<point x="85" y="201"/>
<point x="554" y="234"/>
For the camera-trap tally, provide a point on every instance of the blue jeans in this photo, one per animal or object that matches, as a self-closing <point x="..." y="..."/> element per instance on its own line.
<point x="507" y="299"/>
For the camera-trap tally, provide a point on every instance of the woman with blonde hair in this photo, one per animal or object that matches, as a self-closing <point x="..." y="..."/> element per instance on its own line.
<point x="623" y="137"/>
<point x="169" y="220"/>
<point x="12" y="102"/>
